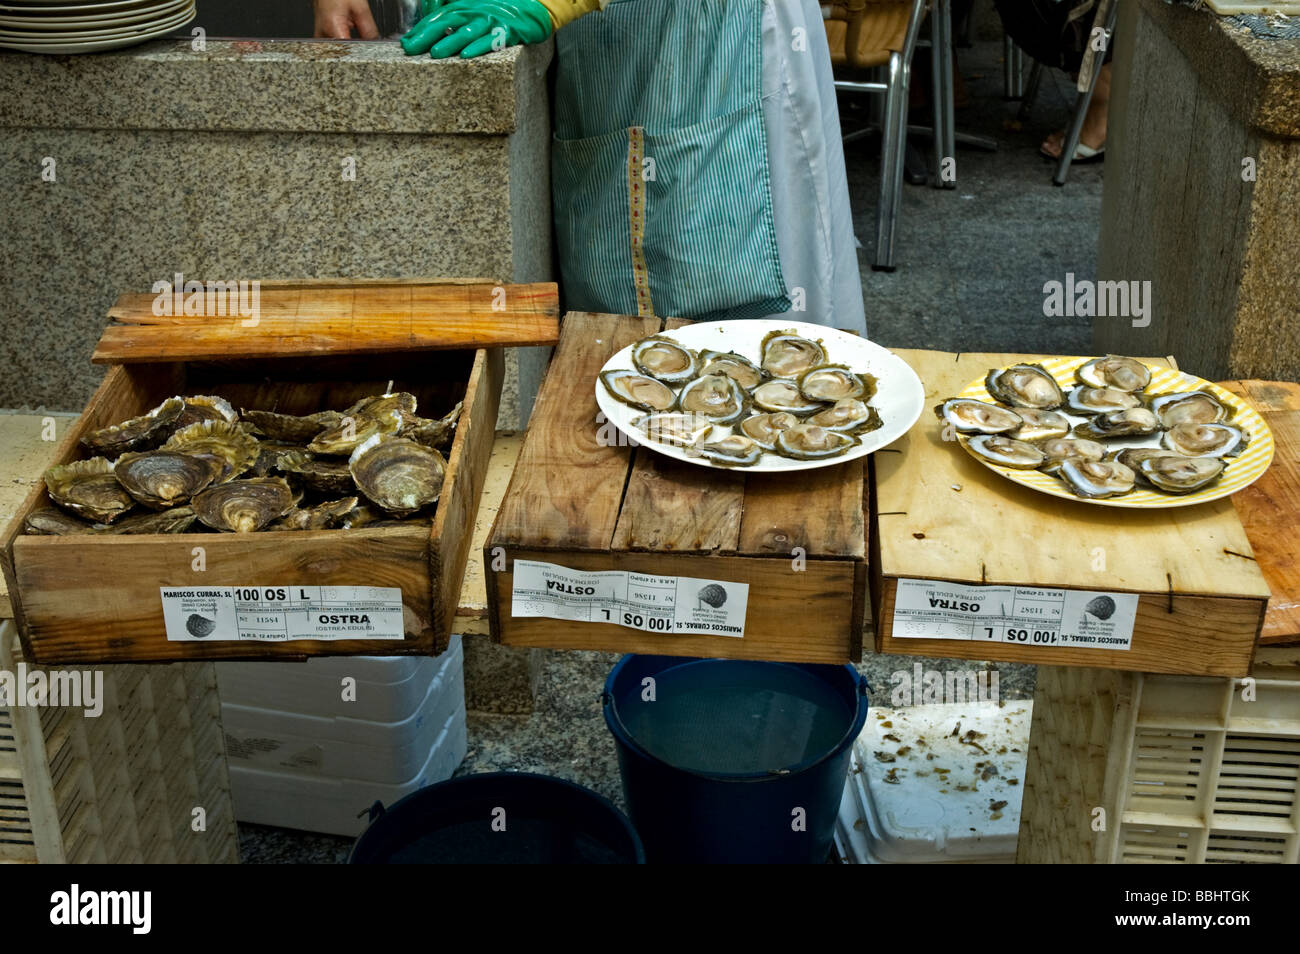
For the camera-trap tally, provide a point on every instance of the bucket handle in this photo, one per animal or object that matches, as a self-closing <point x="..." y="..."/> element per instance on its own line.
<point x="375" y="811"/>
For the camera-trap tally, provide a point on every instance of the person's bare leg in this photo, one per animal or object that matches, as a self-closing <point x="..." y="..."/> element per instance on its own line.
<point x="1094" y="122"/>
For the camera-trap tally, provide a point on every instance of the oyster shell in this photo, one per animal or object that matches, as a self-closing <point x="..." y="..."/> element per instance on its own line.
<point x="325" y="516"/>
<point x="1135" y="422"/>
<point x="139" y="433"/>
<point x="53" y="522"/>
<point x="664" y="359"/>
<point x="673" y="427"/>
<point x="1175" y="474"/>
<point x="783" y="394"/>
<point x="638" y="390"/>
<point x="1025" y="385"/>
<point x="809" y="442"/>
<point x="434" y="433"/>
<point x="397" y="474"/>
<point x="848" y="415"/>
<point x="1189" y="407"/>
<point x="327" y="475"/>
<point x="786" y="354"/>
<point x="205" y="407"/>
<point x="1057" y="449"/>
<point x="163" y="478"/>
<point x="1114" y="371"/>
<point x="171" y="520"/>
<point x="833" y="383"/>
<point x="734" y="450"/>
<point x="381" y="405"/>
<point x="762" y="429"/>
<point x="1096" y="479"/>
<point x="715" y="396"/>
<point x="1089" y="400"/>
<point x="969" y="416"/>
<point x="1205" y="440"/>
<point x="222" y="439"/>
<point x="269" y="454"/>
<point x="1040" y="425"/>
<point x="1007" y="452"/>
<point x="291" y="428"/>
<point x="747" y="374"/>
<point x="353" y="431"/>
<point x="243" y="506"/>
<point x="88" y="489"/>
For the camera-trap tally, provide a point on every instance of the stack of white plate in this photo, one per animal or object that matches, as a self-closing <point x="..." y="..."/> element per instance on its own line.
<point x="82" y="26"/>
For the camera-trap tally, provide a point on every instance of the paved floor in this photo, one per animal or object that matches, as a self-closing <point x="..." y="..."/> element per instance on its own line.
<point x="971" y="267"/>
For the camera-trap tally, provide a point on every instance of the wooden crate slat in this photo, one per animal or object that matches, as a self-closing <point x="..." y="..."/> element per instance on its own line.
<point x="820" y="511"/>
<point x="1268" y="507"/>
<point x="297" y="320"/>
<point x="671" y="505"/>
<point x="567" y="488"/>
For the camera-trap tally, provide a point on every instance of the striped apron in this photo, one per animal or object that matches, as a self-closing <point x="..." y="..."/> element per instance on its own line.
<point x="660" y="163"/>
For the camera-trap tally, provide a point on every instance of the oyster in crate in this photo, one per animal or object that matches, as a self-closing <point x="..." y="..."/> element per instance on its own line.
<point x="171" y="520"/>
<point x="639" y="390"/>
<point x="664" y="359"/>
<point x="325" y="516"/>
<point x="205" y="407"/>
<point x="1025" y="385"/>
<point x="164" y="478"/>
<point x="354" y="430"/>
<point x="397" y="474"/>
<point x="243" y="506"/>
<point x="88" y="489"/>
<point x="325" y="474"/>
<point x="139" y="433"/>
<point x="786" y="354"/>
<point x="435" y="433"/>
<point x="222" y="439"/>
<point x="53" y="522"/>
<point x="291" y="428"/>
<point x="381" y="405"/>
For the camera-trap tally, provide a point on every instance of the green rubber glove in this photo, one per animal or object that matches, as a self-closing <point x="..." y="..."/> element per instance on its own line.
<point x="474" y="27"/>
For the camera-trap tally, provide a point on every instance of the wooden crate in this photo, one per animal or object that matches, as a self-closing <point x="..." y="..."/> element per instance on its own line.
<point x="585" y="505"/>
<point x="940" y="515"/>
<point x="96" y="598"/>
<point x="1184" y="769"/>
<point x="121" y="787"/>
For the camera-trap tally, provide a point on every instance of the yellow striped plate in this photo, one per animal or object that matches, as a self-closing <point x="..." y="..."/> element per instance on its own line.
<point x="1241" y="471"/>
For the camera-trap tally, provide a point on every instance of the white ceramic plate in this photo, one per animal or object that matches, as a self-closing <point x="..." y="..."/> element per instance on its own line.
<point x="168" y="20"/>
<point x="40" y="27"/>
<point x="42" y="8"/>
<point x="899" y="396"/>
<point x="106" y="40"/>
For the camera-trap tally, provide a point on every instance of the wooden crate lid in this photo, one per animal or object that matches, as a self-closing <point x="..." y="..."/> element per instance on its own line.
<point x="1269" y="506"/>
<point x="945" y="516"/>
<point x="313" y="317"/>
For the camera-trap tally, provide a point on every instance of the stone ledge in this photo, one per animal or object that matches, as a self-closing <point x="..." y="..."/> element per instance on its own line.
<point x="1258" y="79"/>
<point x="267" y="86"/>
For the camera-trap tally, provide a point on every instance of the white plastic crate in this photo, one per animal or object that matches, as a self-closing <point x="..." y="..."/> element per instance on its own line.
<point x="388" y="689"/>
<point x="935" y="801"/>
<point x="342" y="746"/>
<point x="337" y="806"/>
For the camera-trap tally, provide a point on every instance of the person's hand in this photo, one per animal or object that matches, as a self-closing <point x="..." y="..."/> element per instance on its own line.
<point x="336" y="19"/>
<point x="473" y="27"/>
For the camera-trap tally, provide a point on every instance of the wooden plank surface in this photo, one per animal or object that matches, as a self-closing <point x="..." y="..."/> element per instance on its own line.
<point x="568" y="485"/>
<point x="821" y="512"/>
<point x="314" y="318"/>
<point x="472" y="609"/>
<point x="945" y="516"/>
<point x="1270" y="507"/>
<point x="26" y="456"/>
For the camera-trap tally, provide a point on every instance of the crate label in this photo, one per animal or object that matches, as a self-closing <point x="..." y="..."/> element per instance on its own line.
<point x="1017" y="615"/>
<point x="656" y="604"/>
<point x="205" y="614"/>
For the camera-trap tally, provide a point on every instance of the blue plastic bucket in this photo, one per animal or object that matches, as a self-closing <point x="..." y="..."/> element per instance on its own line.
<point x="730" y="760"/>
<point x="499" y="818"/>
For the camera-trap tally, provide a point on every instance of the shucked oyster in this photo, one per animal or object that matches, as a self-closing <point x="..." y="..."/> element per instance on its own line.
<point x="1058" y="449"/>
<point x="88" y="489"/>
<point x="788" y="355"/>
<point x="1095" y="479"/>
<point x="1006" y="452"/>
<point x="848" y="415"/>
<point x="734" y="450"/>
<point x="291" y="428"/>
<point x="222" y="439"/>
<point x="1113" y="371"/>
<point x="139" y="433"/>
<point x="969" y="416"/>
<point x="1180" y="475"/>
<point x="673" y="427"/>
<point x="1040" y="425"/>
<point x="638" y="390"/>
<point x="397" y="474"/>
<point x="747" y="374"/>
<point x="1090" y="400"/>
<point x="715" y="396"/>
<point x="1189" y="407"/>
<point x="764" y="428"/>
<point x="165" y="478"/>
<point x="810" y="442"/>
<point x="1205" y="440"/>
<point x="355" y="430"/>
<point x="832" y="383"/>
<point x="1135" y="422"/>
<point x="664" y="359"/>
<point x="243" y="506"/>
<point x="1025" y="385"/>
<point x="782" y="394"/>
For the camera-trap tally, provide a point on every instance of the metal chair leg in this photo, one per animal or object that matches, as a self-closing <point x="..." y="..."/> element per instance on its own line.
<point x="1088" y="73"/>
<point x="1031" y="91"/>
<point x="943" y="12"/>
<point x="1013" y="69"/>
<point x="891" y="163"/>
<point x="938" y="97"/>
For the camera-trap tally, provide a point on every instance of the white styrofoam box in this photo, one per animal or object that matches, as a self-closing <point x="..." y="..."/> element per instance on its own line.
<point x="942" y="801"/>
<point x="341" y="746"/>
<point x="337" y="806"/>
<point x="388" y="689"/>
